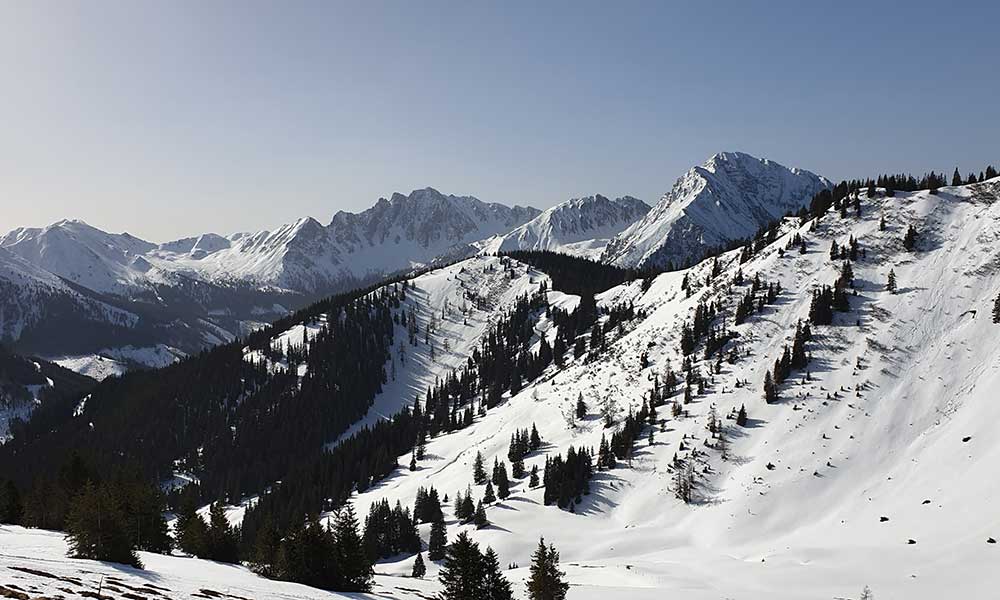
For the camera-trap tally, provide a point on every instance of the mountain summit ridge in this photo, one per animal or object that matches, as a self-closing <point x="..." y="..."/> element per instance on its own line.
<point x="727" y="198"/>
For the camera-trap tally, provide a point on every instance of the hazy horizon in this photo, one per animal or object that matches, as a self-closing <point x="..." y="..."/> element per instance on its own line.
<point x="168" y="120"/>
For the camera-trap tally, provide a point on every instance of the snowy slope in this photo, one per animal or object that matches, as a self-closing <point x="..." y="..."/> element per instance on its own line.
<point x="34" y="562"/>
<point x="927" y="370"/>
<point x="728" y="198"/>
<point x="580" y="227"/>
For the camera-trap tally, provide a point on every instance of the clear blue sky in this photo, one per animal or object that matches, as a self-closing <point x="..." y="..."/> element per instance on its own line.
<point x="172" y="118"/>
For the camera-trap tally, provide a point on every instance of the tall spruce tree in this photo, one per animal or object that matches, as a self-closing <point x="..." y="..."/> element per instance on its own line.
<point x="222" y="543"/>
<point x="546" y="580"/>
<point x="463" y="572"/>
<point x="438" y="542"/>
<point x="495" y="585"/>
<point x="419" y="568"/>
<point x="355" y="568"/>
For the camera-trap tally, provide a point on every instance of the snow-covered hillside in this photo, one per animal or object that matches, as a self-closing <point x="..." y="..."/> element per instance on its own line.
<point x="579" y="227"/>
<point x="820" y="495"/>
<point x="728" y="198"/>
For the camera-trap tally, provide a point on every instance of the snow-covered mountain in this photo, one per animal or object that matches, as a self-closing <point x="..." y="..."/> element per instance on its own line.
<point x="216" y="287"/>
<point x="579" y="227"/>
<point x="730" y="197"/>
<point x="875" y="465"/>
<point x="306" y="257"/>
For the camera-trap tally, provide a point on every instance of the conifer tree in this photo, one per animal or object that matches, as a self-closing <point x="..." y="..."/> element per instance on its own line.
<point x="741" y="417"/>
<point x="11" y="508"/>
<point x="770" y="392"/>
<point x="419" y="568"/>
<point x="462" y="573"/>
<point x="503" y="484"/>
<point x="495" y="585"/>
<point x="479" y="470"/>
<point x="533" y="481"/>
<point x="910" y="239"/>
<point x="546" y="580"/>
<point x="489" y="497"/>
<point x="891" y="283"/>
<point x="354" y="567"/>
<point x="581" y="407"/>
<point x="536" y="440"/>
<point x="438" y="541"/>
<point x="192" y="531"/>
<point x="222" y="543"/>
<point x="479" y="519"/>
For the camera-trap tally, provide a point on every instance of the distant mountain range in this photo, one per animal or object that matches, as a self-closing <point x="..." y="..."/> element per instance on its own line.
<point x="101" y="303"/>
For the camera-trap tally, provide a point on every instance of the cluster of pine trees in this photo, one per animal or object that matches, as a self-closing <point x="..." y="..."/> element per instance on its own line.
<point x="390" y="531"/>
<point x="330" y="556"/>
<point x="795" y="359"/>
<point x="106" y="518"/>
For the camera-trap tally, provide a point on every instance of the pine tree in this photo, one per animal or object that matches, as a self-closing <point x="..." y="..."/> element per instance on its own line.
<point x="495" y="585"/>
<point x="419" y="568"/>
<point x="770" y="391"/>
<point x="533" y="481"/>
<point x="503" y="483"/>
<point x="267" y="545"/>
<point x="192" y="531"/>
<point x="222" y="543"/>
<point x="891" y="283"/>
<point x="11" y="508"/>
<point x="479" y="519"/>
<point x="438" y="541"/>
<point x="462" y="573"/>
<point x="536" y="440"/>
<point x="581" y="407"/>
<point x="479" y="470"/>
<point x="354" y="567"/>
<point x="910" y="239"/>
<point x="741" y="417"/>
<point x="546" y="580"/>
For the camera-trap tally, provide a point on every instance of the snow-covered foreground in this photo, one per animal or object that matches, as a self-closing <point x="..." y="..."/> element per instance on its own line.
<point x="34" y="562"/>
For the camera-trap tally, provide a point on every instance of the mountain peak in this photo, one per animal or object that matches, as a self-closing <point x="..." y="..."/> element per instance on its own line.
<point x="729" y="197"/>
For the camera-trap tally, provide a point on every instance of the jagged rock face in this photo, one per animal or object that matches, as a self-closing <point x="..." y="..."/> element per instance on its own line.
<point x="581" y="226"/>
<point x="728" y="198"/>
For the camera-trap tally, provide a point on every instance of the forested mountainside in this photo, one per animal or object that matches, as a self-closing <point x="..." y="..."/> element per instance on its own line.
<point x="29" y="385"/>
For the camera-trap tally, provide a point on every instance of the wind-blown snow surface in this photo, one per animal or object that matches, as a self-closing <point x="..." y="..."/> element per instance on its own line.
<point x="579" y="227"/>
<point x="909" y="432"/>
<point x="728" y="198"/>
